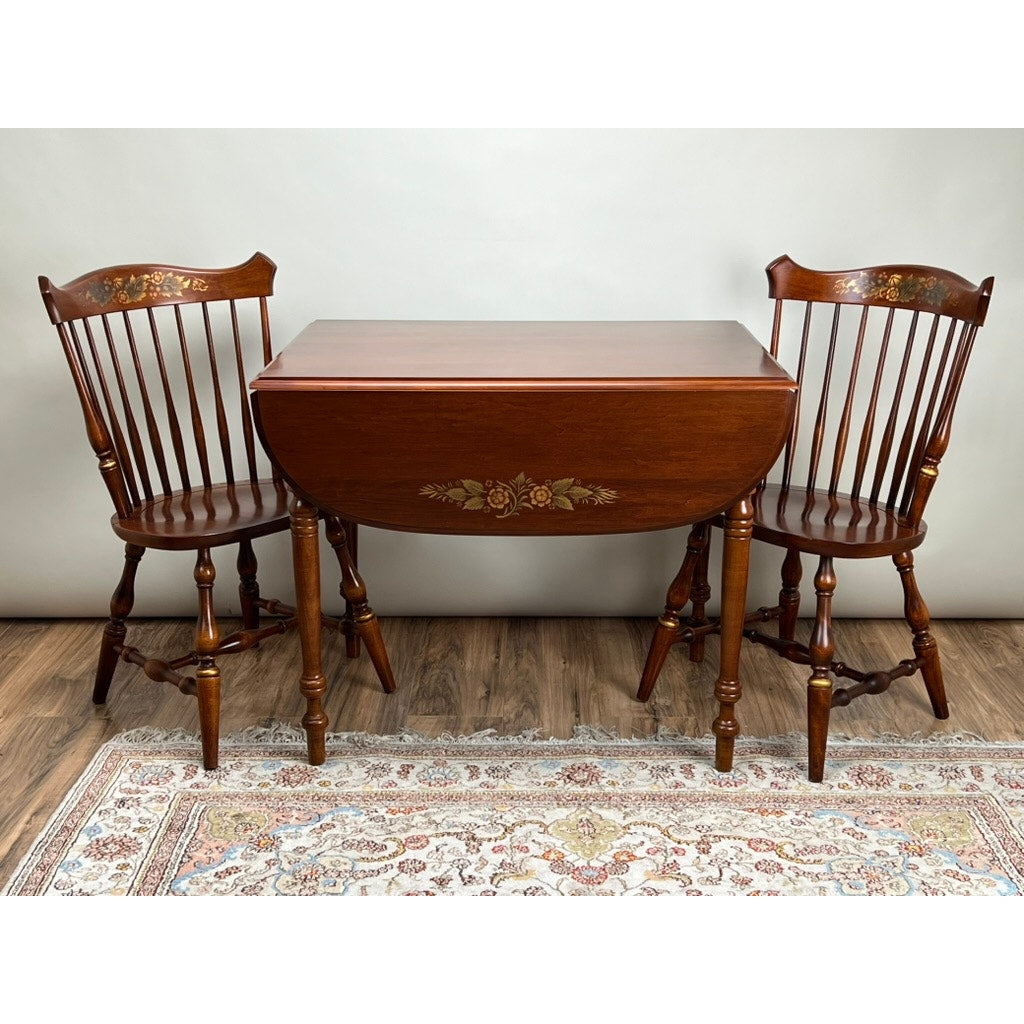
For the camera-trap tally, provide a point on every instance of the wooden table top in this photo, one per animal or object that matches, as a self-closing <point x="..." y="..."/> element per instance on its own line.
<point x="340" y="355"/>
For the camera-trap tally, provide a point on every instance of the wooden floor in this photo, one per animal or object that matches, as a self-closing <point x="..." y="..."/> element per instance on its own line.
<point x="460" y="676"/>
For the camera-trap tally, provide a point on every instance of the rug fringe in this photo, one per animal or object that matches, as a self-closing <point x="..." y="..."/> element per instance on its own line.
<point x="144" y="735"/>
<point x="276" y="733"/>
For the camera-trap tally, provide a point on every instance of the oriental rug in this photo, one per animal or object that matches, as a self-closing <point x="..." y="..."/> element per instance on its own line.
<point x="485" y="815"/>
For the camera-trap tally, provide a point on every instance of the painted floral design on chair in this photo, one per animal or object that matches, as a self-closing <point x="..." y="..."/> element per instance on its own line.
<point x="510" y="497"/>
<point x="895" y="288"/>
<point x="135" y="288"/>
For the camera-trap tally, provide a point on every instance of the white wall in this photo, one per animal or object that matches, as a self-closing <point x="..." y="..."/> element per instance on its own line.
<point x="426" y="217"/>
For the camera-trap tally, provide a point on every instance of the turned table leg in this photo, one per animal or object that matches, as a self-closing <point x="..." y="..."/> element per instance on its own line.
<point x="305" y="526"/>
<point x="735" y="561"/>
<point x="666" y="633"/>
<point x="363" y="619"/>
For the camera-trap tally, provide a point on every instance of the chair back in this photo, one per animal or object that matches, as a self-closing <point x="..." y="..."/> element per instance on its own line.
<point x="161" y="357"/>
<point x="880" y="357"/>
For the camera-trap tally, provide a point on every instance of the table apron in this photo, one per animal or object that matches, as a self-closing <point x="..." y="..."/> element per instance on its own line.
<point x="544" y="462"/>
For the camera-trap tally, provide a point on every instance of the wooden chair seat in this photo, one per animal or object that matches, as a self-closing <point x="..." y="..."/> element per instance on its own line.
<point x="210" y="517"/>
<point x="821" y="524"/>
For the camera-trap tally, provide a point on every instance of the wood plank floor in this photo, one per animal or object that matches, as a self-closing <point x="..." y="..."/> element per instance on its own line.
<point x="460" y="675"/>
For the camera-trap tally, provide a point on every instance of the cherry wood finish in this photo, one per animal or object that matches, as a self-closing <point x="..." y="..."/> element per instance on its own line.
<point x="881" y="354"/>
<point x="520" y="429"/>
<point x="160" y="357"/>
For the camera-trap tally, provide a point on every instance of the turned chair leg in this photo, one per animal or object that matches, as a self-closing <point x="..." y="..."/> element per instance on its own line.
<point x="248" y="588"/>
<point x="915" y="611"/>
<point x="364" y="619"/>
<point x="789" y="595"/>
<point x="819" y="686"/>
<point x="667" y="630"/>
<point x="207" y="673"/>
<point x="116" y="629"/>
<point x="700" y="594"/>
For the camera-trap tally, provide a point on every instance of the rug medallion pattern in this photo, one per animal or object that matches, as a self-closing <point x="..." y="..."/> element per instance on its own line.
<point x="408" y="817"/>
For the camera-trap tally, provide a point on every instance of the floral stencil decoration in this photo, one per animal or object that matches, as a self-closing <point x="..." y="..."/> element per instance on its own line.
<point x="136" y="288"/>
<point x="895" y="288"/>
<point x="510" y="497"/>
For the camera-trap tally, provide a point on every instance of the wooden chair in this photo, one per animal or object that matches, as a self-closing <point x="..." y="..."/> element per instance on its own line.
<point x="160" y="357"/>
<point x="881" y="356"/>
